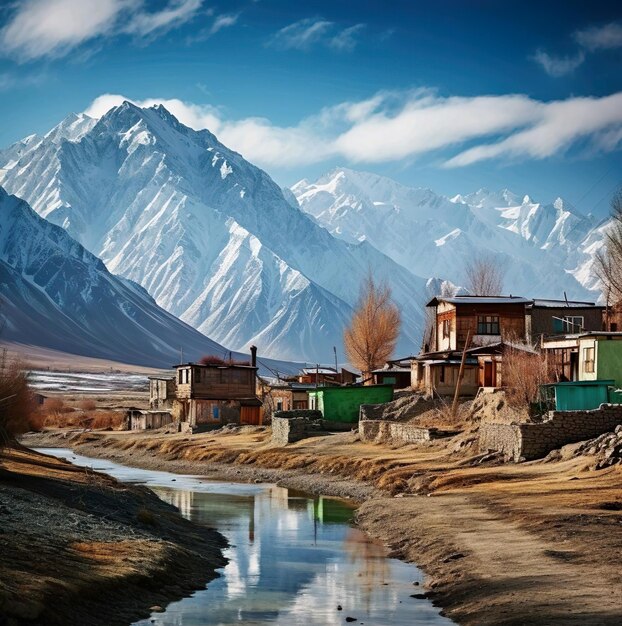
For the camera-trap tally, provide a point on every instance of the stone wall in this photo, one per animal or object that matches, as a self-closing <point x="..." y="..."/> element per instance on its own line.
<point x="534" y="441"/>
<point x="290" y="426"/>
<point x="310" y="414"/>
<point x="380" y="431"/>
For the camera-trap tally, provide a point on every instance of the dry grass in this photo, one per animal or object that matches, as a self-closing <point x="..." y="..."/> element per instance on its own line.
<point x="87" y="405"/>
<point x="70" y="418"/>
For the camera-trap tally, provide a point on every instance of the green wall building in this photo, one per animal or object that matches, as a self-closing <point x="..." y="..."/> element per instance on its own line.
<point x="342" y="404"/>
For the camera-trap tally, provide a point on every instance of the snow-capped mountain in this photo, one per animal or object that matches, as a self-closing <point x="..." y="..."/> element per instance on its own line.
<point x="542" y="246"/>
<point x="56" y="294"/>
<point x="211" y="237"/>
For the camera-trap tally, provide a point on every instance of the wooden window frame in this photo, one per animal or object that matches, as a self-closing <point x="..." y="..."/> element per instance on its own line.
<point x="486" y="325"/>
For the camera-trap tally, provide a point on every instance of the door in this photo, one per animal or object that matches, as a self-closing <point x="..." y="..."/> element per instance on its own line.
<point x="250" y="415"/>
<point x="489" y="374"/>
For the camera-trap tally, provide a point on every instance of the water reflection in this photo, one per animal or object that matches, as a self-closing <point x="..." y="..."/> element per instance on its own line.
<point x="293" y="559"/>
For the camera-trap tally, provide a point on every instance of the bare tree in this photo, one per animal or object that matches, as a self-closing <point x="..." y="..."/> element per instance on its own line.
<point x="371" y="337"/>
<point x="484" y="276"/>
<point x="608" y="262"/>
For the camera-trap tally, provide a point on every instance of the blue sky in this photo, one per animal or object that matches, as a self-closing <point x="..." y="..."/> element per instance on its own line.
<point x="452" y="95"/>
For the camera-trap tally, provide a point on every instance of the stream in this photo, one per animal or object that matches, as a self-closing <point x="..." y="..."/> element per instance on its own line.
<point x="294" y="558"/>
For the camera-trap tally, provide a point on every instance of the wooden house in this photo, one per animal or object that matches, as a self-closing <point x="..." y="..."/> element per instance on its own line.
<point x="561" y="317"/>
<point x="469" y="322"/>
<point x="217" y="393"/>
<point x="484" y="319"/>
<point x="490" y="361"/>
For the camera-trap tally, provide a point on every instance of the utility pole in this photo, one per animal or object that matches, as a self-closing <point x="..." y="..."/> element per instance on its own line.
<point x="336" y="366"/>
<point x="454" y="405"/>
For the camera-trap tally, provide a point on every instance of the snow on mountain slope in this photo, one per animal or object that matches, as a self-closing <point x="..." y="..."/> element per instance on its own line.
<point x="434" y="235"/>
<point x="56" y="294"/>
<point x="211" y="237"/>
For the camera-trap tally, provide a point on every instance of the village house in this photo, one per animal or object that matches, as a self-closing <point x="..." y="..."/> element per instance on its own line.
<point x="588" y="356"/>
<point x="396" y="372"/>
<point x="560" y="317"/>
<point x="491" y="325"/>
<point x="322" y="376"/>
<point x="460" y="322"/>
<point x="281" y="395"/>
<point x="212" y="394"/>
<point x="140" y="419"/>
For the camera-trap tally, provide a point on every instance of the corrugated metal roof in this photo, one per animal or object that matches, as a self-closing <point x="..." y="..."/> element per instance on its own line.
<point x="480" y="300"/>
<point x="565" y="304"/>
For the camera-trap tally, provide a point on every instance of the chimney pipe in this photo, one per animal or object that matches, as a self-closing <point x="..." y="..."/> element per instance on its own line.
<point x="254" y="356"/>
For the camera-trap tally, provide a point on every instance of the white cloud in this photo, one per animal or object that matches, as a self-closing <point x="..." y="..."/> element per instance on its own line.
<point x="176" y="13"/>
<point x="306" y="33"/>
<point x="600" y="37"/>
<point x="40" y="28"/>
<point x="558" y="126"/>
<point x="590" y="39"/>
<point x="300" y="35"/>
<point x="223" y="21"/>
<point x="392" y="126"/>
<point x="559" y="66"/>
<point x="346" y="39"/>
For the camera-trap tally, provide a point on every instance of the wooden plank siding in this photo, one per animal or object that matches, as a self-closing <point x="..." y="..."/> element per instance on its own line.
<point x="511" y="321"/>
<point x="229" y="383"/>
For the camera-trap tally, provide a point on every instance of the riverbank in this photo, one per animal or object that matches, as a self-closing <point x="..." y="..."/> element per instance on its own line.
<point x="78" y="547"/>
<point x="535" y="543"/>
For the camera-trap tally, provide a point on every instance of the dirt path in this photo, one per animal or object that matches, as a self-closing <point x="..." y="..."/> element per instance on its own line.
<point x="512" y="544"/>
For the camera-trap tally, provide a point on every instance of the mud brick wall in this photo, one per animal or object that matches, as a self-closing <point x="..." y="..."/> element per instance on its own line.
<point x="534" y="441"/>
<point x="381" y="431"/>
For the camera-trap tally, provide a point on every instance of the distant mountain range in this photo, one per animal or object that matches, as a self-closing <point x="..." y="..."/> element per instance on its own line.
<point x="215" y="242"/>
<point x="546" y="249"/>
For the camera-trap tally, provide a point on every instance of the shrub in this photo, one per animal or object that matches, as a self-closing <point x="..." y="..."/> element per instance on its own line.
<point x="523" y="373"/>
<point x="56" y="405"/>
<point x="87" y="405"/>
<point x="212" y="359"/>
<point x="16" y="401"/>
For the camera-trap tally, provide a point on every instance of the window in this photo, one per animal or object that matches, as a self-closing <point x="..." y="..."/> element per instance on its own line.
<point x="568" y="324"/>
<point x="180" y="376"/>
<point x="488" y="325"/>
<point x="588" y="360"/>
<point x="446" y="328"/>
<point x="613" y="327"/>
<point x="197" y="375"/>
<point x="441" y="377"/>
